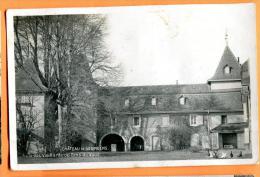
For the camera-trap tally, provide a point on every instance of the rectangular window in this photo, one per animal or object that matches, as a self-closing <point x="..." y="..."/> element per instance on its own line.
<point x="196" y="120"/>
<point x="26" y="101"/>
<point x="165" y="121"/>
<point x="223" y="119"/>
<point x="137" y="121"/>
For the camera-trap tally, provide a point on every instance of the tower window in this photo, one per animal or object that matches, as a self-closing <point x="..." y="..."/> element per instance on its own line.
<point x="227" y="69"/>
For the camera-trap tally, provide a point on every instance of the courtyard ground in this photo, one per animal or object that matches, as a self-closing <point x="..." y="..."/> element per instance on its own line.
<point x="129" y="156"/>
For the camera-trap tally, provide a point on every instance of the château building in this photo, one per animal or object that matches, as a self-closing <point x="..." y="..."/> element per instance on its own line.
<point x="211" y="115"/>
<point x="215" y="114"/>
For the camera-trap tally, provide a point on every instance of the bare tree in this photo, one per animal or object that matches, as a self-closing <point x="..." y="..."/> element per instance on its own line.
<point x="69" y="59"/>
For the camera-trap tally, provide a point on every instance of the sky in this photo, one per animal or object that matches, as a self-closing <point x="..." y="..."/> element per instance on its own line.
<point x="157" y="45"/>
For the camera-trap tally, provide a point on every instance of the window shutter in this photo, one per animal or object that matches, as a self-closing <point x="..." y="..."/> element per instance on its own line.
<point x="245" y="111"/>
<point x="246" y="134"/>
<point x="199" y="120"/>
<point x="214" y="137"/>
<point x="205" y="142"/>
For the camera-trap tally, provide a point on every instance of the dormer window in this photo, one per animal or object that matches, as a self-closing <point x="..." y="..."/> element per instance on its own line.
<point x="182" y="100"/>
<point x="227" y="69"/>
<point x="154" y="100"/>
<point x="127" y="101"/>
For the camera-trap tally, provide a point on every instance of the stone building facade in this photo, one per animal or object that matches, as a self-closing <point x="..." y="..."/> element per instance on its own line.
<point x="168" y="117"/>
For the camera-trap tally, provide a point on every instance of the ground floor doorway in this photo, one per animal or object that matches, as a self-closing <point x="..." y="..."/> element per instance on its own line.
<point x="137" y="144"/>
<point x="229" y="140"/>
<point x="156" y="145"/>
<point x="113" y="143"/>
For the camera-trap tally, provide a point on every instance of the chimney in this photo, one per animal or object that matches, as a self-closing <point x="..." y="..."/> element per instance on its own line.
<point x="177" y="83"/>
<point x="238" y="60"/>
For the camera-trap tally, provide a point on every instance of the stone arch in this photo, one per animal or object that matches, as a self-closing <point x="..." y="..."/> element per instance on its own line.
<point x="137" y="143"/>
<point x="112" y="142"/>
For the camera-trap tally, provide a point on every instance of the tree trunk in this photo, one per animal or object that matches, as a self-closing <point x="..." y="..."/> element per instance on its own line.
<point x="50" y="125"/>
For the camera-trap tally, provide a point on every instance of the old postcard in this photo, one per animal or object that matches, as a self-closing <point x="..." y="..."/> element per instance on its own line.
<point x="0" y="96"/>
<point x="132" y="86"/>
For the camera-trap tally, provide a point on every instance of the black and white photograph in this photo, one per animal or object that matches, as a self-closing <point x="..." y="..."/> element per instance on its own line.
<point x="125" y="87"/>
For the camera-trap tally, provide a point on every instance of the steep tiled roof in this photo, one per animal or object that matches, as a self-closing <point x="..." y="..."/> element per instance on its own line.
<point x="227" y="59"/>
<point x="27" y="80"/>
<point x="198" y="99"/>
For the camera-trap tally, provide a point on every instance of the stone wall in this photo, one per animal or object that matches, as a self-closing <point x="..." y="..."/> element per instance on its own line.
<point x="154" y="130"/>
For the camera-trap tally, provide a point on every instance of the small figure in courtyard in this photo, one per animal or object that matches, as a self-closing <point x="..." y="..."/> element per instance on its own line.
<point x="231" y="154"/>
<point x="240" y="154"/>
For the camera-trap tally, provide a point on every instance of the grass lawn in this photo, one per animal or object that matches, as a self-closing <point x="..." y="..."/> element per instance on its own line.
<point x="127" y="156"/>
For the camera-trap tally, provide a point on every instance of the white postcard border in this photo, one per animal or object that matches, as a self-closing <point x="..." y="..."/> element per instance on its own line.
<point x="121" y="164"/>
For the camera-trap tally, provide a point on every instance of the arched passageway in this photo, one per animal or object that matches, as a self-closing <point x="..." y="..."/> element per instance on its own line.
<point x="113" y="142"/>
<point x="137" y="144"/>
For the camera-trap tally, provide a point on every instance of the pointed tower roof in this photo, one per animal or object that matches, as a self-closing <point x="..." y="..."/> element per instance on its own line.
<point x="228" y="59"/>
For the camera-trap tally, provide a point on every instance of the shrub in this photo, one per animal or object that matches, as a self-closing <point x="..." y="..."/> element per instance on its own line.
<point x="179" y="138"/>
